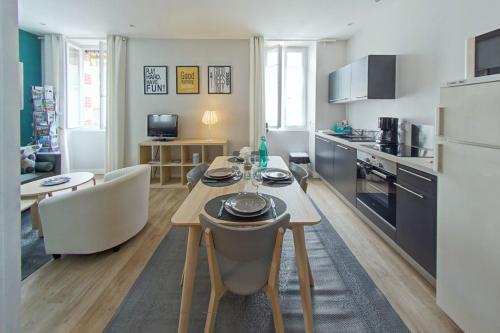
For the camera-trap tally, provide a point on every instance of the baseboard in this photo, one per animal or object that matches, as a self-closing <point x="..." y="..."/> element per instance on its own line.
<point x="94" y="171"/>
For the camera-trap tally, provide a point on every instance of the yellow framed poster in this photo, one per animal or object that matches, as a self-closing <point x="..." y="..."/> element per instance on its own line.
<point x="188" y="79"/>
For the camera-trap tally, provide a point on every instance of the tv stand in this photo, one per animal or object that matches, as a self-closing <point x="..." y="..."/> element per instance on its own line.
<point x="171" y="160"/>
<point x="163" y="139"/>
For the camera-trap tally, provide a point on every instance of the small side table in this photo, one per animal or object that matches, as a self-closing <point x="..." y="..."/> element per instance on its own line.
<point x="35" y="191"/>
<point x="32" y="204"/>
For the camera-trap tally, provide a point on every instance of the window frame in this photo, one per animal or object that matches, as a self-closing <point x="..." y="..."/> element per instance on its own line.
<point x="282" y="73"/>
<point x="99" y="46"/>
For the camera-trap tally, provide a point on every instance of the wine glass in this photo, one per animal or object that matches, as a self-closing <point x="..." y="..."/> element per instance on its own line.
<point x="256" y="178"/>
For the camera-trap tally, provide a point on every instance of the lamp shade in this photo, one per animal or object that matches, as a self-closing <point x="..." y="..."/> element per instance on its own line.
<point x="209" y="118"/>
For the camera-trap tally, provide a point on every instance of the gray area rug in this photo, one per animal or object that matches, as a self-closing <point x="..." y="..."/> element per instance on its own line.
<point x="33" y="254"/>
<point x="345" y="299"/>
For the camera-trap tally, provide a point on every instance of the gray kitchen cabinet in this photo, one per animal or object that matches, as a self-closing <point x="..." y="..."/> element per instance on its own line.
<point x="416" y="216"/>
<point x="324" y="158"/>
<point x="345" y="172"/>
<point x="371" y="77"/>
<point x="340" y="85"/>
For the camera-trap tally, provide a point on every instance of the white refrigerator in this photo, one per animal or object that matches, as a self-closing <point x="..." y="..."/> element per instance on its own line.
<point x="468" y="230"/>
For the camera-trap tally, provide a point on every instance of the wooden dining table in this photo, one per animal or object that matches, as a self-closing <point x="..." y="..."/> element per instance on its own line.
<point x="302" y="214"/>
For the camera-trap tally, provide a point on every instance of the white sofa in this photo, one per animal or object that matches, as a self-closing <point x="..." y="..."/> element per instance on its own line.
<point x="97" y="218"/>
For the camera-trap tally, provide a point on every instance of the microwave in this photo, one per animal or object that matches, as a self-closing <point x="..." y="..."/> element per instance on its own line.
<point x="483" y="54"/>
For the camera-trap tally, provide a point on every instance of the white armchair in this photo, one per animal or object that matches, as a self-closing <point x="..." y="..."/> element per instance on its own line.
<point x="97" y="218"/>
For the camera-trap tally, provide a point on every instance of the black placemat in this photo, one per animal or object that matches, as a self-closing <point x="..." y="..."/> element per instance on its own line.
<point x="212" y="208"/>
<point x="221" y="183"/>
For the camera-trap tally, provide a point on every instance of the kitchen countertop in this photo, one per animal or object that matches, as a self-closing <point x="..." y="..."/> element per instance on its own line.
<point x="425" y="164"/>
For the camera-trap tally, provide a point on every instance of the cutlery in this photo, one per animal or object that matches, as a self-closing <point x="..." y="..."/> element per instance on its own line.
<point x="273" y="207"/>
<point x="206" y="180"/>
<point x="222" y="202"/>
<point x="285" y="181"/>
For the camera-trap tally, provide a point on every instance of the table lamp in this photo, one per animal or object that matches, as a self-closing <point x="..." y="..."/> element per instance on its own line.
<point x="209" y="118"/>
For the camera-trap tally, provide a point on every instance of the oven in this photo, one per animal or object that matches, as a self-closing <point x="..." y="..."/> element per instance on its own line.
<point x="376" y="192"/>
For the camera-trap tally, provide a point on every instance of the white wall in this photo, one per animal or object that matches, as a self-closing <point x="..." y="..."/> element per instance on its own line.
<point x="429" y="39"/>
<point x="232" y="109"/>
<point x="10" y="247"/>
<point x="87" y="150"/>
<point x="330" y="56"/>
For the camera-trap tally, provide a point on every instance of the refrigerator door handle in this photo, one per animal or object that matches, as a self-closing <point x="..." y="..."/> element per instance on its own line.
<point x="438" y="121"/>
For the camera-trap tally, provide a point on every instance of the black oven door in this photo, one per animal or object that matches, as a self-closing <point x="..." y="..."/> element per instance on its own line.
<point x="377" y="193"/>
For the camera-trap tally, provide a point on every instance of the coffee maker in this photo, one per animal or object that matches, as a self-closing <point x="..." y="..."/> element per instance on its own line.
<point x="388" y="131"/>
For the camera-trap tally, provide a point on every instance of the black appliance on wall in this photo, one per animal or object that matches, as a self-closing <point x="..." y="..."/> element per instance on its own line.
<point x="162" y="127"/>
<point x="388" y="130"/>
<point x="376" y="192"/>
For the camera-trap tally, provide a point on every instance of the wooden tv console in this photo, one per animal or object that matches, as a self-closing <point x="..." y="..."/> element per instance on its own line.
<point x="171" y="160"/>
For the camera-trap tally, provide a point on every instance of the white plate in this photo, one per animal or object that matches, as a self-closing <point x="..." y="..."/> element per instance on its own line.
<point x="220" y="173"/>
<point x="247" y="203"/>
<point x="261" y="212"/>
<point x="276" y="174"/>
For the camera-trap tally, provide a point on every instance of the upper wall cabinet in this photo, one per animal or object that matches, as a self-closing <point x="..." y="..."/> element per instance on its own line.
<point x="372" y="77"/>
<point x="340" y="85"/>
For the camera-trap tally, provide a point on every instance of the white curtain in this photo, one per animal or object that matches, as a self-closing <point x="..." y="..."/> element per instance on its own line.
<point x="115" y="105"/>
<point x="257" y="117"/>
<point x="54" y="74"/>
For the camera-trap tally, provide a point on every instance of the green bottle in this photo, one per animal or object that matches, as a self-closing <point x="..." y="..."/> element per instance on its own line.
<point x="264" y="156"/>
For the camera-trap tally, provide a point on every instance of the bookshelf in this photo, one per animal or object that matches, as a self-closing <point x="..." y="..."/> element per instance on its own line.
<point x="45" y="123"/>
<point x="171" y="160"/>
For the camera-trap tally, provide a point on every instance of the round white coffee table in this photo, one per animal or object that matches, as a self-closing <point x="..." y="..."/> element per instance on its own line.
<point x="36" y="188"/>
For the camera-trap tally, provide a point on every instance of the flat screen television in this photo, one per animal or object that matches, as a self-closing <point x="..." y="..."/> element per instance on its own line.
<point x="162" y="126"/>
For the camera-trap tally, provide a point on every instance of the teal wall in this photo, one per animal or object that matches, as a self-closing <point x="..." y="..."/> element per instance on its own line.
<point x="30" y="54"/>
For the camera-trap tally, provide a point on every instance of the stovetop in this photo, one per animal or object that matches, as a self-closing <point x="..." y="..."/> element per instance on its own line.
<point x="353" y="137"/>
<point x="401" y="150"/>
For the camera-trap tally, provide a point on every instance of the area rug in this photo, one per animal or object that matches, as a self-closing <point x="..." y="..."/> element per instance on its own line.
<point x="33" y="254"/>
<point x="345" y="299"/>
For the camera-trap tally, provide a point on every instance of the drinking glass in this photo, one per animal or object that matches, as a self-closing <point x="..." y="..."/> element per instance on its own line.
<point x="256" y="178"/>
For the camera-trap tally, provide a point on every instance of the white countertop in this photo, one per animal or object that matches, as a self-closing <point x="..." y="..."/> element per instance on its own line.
<point x="424" y="164"/>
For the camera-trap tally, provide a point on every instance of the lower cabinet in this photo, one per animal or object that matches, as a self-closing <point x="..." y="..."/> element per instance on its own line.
<point x="324" y="158"/>
<point x="344" y="172"/>
<point x="416" y="216"/>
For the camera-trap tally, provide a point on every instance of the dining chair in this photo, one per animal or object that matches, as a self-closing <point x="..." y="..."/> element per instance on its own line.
<point x="194" y="175"/>
<point x="244" y="260"/>
<point x="300" y="174"/>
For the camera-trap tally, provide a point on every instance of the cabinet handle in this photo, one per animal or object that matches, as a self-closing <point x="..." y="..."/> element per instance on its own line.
<point x="361" y="96"/>
<point x="408" y="190"/>
<point x="345" y="148"/>
<point x="378" y="173"/>
<point x="416" y="175"/>
<point x="321" y="139"/>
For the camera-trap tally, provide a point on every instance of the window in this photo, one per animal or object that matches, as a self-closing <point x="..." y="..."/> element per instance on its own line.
<point x="286" y="87"/>
<point x="86" y="84"/>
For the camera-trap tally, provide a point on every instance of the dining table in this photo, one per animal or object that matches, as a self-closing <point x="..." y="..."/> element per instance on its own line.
<point x="298" y="204"/>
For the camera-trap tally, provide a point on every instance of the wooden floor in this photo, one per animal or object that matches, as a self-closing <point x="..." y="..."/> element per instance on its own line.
<point x="81" y="293"/>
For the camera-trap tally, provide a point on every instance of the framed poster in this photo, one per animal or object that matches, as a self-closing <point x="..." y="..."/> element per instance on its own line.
<point x="188" y="79"/>
<point x="155" y="80"/>
<point x="219" y="79"/>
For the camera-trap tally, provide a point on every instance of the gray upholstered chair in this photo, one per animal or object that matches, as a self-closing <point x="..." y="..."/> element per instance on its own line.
<point x="194" y="175"/>
<point x="244" y="260"/>
<point x="300" y="175"/>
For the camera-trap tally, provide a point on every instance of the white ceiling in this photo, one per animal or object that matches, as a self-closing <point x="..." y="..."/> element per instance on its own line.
<point x="275" y="19"/>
